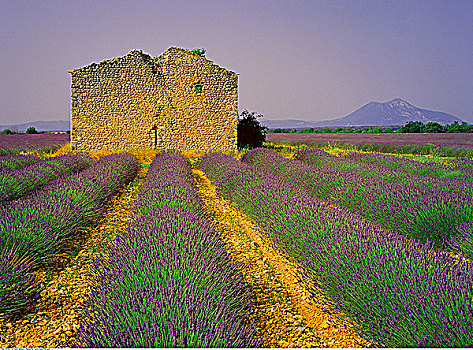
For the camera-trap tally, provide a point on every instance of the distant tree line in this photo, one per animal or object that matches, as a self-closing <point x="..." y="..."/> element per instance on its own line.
<point x="409" y="127"/>
<point x="334" y="131"/>
<point x="30" y="130"/>
<point x="433" y="127"/>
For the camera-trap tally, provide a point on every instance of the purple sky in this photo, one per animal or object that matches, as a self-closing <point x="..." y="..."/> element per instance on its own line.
<point x="310" y="60"/>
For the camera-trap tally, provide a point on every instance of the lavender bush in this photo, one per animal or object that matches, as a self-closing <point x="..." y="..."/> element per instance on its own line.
<point x="16" y="161"/>
<point x="18" y="287"/>
<point x="461" y="163"/>
<point x="167" y="280"/>
<point x="38" y="226"/>
<point x="463" y="241"/>
<point x="422" y="213"/>
<point x="169" y="183"/>
<point x="401" y="293"/>
<point x="17" y="183"/>
<point x="463" y="166"/>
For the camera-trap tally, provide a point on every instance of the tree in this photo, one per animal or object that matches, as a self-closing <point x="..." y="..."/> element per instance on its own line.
<point x="412" y="127"/>
<point x="433" y="127"/>
<point x="31" y="130"/>
<point x="375" y="130"/>
<point x="6" y="132"/>
<point x="454" y="127"/>
<point x="464" y="127"/>
<point x="249" y="131"/>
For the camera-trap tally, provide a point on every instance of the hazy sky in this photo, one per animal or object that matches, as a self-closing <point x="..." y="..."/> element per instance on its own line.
<point x="311" y="60"/>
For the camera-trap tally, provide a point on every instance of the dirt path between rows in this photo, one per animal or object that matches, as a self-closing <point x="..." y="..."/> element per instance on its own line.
<point x="286" y="316"/>
<point x="53" y="321"/>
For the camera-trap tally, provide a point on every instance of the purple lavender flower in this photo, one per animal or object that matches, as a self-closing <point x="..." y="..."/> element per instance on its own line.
<point x="384" y="172"/>
<point x="454" y="170"/>
<point x="11" y="144"/>
<point x="400" y="292"/>
<point x="167" y="280"/>
<point x="16" y="161"/>
<point x="17" y="183"/>
<point x="36" y="227"/>
<point x="422" y="213"/>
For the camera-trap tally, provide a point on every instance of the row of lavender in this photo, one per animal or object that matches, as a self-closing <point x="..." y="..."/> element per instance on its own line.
<point x="16" y="161"/>
<point x="459" y="168"/>
<point x="35" y="228"/>
<point x="398" y="291"/>
<point x="18" y="183"/>
<point x="385" y="170"/>
<point x="422" y="213"/>
<point x="167" y="280"/>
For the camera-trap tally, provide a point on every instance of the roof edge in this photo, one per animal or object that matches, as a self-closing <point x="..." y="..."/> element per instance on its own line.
<point x="193" y="54"/>
<point x="145" y="56"/>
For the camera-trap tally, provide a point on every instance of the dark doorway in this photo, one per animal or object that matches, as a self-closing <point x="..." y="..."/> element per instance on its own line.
<point x="154" y="131"/>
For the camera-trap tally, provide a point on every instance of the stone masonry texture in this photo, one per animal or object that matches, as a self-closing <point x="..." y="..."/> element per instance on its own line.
<point x="177" y="100"/>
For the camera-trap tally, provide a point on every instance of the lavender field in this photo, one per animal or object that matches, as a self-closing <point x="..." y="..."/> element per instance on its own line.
<point x="440" y="140"/>
<point x="382" y="244"/>
<point x="372" y="246"/>
<point x="22" y="143"/>
<point x="444" y="144"/>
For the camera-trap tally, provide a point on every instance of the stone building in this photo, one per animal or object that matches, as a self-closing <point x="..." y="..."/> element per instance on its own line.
<point x="177" y="100"/>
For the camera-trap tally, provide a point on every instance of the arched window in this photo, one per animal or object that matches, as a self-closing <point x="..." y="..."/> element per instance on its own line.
<point x="198" y="88"/>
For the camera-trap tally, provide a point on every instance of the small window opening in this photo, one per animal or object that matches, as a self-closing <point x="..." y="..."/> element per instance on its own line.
<point x="198" y="88"/>
<point x="154" y="130"/>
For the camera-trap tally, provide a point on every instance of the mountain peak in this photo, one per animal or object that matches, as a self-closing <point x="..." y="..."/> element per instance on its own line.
<point x="398" y="102"/>
<point x="394" y="112"/>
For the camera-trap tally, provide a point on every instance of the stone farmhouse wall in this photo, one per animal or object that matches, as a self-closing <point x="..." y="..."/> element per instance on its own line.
<point x="137" y="101"/>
